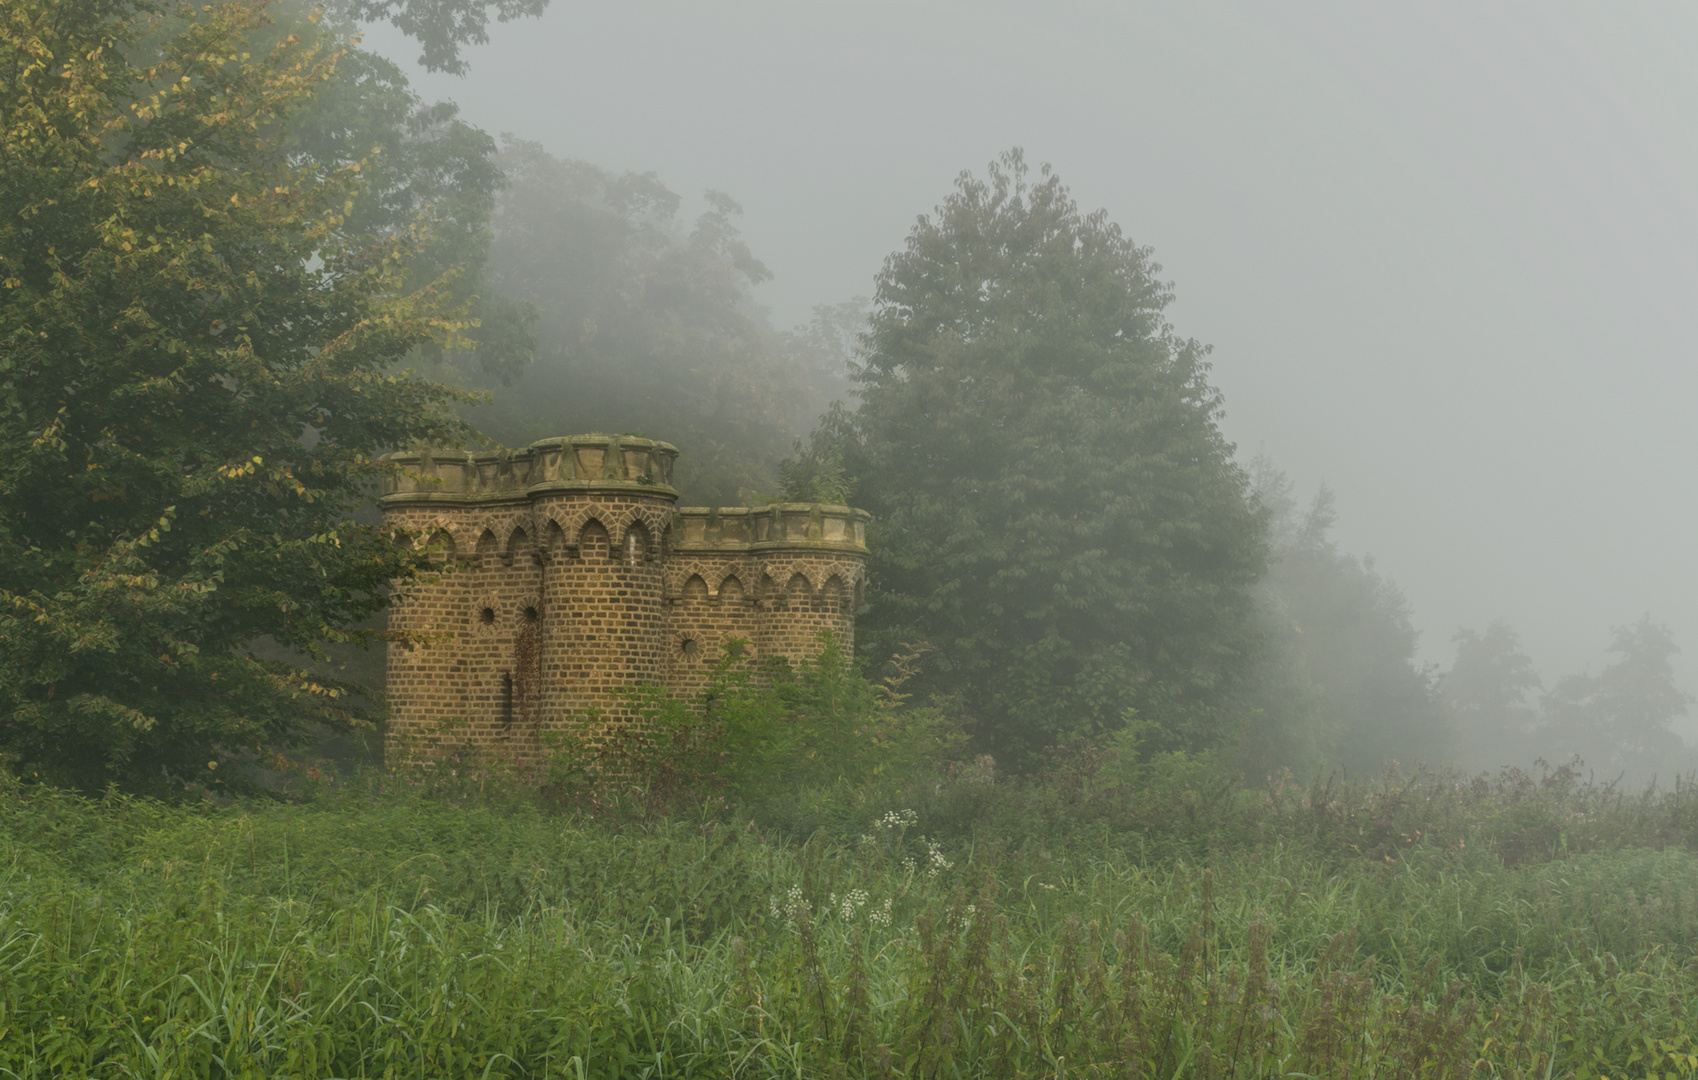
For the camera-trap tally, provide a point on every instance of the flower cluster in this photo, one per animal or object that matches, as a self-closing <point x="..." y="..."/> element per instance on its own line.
<point x="792" y="904"/>
<point x="936" y="863"/>
<point x="851" y="903"/>
<point x="880" y="917"/>
<point x="893" y="821"/>
<point x="898" y="819"/>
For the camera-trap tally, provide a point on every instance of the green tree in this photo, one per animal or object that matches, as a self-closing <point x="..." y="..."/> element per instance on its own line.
<point x="1621" y="719"/>
<point x="196" y="373"/>
<point x="1491" y="689"/>
<point x="441" y="27"/>
<point x="643" y="325"/>
<point x="1338" y="682"/>
<point x="419" y="162"/>
<point x="1057" y="509"/>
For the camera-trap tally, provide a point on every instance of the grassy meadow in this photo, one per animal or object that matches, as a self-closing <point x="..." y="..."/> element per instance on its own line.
<point x="1526" y="927"/>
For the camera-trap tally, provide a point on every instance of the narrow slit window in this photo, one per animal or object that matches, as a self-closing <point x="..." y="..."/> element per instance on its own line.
<point x="506" y="697"/>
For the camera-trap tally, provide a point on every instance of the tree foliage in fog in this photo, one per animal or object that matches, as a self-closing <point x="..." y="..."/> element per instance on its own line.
<point x="828" y="345"/>
<point x="645" y="325"/>
<point x="199" y="365"/>
<point x="1057" y="510"/>
<point x="1621" y="718"/>
<point x="441" y="27"/>
<point x="1492" y="690"/>
<point x="420" y="163"/>
<point x="1338" y="682"/>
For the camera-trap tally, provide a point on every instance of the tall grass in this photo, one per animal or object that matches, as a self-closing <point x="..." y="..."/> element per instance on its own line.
<point x="381" y="934"/>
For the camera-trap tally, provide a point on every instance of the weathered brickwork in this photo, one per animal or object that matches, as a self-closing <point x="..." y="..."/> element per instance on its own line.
<point x="567" y="575"/>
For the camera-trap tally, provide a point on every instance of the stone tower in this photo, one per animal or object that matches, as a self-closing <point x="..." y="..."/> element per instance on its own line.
<point x="568" y="574"/>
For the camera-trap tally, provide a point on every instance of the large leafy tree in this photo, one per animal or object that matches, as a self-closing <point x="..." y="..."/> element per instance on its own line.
<point x="1058" y="511"/>
<point x="197" y="369"/>
<point x="420" y="161"/>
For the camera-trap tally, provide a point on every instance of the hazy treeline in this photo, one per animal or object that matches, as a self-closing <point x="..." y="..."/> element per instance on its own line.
<point x="1340" y="680"/>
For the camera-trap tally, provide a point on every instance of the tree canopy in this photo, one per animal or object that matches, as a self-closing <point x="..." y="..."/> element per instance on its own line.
<point x="442" y="27"/>
<point x="646" y="324"/>
<point x="1339" y="680"/>
<point x="1057" y="509"/>
<point x="1492" y="689"/>
<point x="419" y="162"/>
<point x="197" y="370"/>
<point x="1621" y="719"/>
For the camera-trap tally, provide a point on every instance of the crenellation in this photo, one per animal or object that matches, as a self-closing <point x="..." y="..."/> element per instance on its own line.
<point x="568" y="575"/>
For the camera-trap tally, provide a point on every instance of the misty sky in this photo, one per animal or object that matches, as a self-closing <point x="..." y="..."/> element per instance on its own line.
<point x="1446" y="256"/>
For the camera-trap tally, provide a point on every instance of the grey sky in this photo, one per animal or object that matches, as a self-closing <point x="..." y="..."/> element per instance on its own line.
<point x="1447" y="255"/>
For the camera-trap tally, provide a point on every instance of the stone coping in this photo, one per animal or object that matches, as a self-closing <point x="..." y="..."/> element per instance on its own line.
<point x="625" y="464"/>
<point x="571" y="463"/>
<point x="781" y="525"/>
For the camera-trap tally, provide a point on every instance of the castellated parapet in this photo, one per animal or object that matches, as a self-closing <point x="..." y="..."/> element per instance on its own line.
<point x="569" y="574"/>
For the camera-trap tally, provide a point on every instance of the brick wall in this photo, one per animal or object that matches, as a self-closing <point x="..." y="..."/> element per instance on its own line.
<point x="567" y="575"/>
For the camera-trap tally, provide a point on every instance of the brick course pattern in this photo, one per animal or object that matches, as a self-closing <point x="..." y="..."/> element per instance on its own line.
<point x="567" y="574"/>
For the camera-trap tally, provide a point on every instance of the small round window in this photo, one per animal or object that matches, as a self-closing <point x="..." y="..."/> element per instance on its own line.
<point x="690" y="647"/>
<point x="532" y="615"/>
<point x="487" y="616"/>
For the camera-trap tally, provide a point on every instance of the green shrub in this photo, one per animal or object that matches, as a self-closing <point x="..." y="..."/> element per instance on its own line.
<point x="771" y="741"/>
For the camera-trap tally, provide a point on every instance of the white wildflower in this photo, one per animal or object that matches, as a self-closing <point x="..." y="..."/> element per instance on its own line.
<point x="793" y="904"/>
<point x="936" y="859"/>
<point x="881" y="916"/>
<point x="967" y="914"/>
<point x="856" y="899"/>
<point x="898" y="819"/>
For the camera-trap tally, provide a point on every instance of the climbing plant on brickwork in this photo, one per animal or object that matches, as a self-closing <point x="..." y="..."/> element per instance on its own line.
<point x="197" y="359"/>
<point x="1055" y="506"/>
